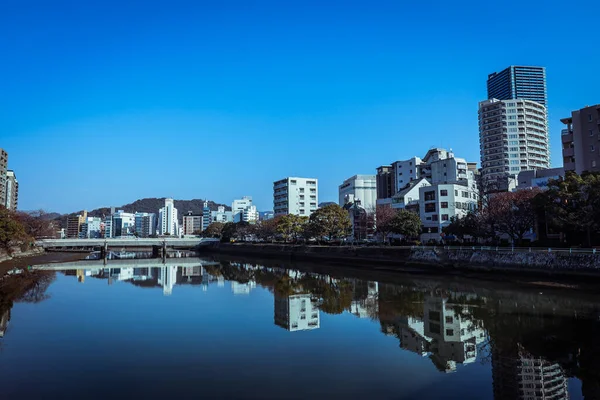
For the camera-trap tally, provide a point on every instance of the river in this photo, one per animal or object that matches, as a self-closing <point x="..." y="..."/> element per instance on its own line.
<point x="243" y="329"/>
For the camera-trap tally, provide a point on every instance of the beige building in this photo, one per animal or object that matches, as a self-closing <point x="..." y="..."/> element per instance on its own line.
<point x="581" y="140"/>
<point x="74" y="224"/>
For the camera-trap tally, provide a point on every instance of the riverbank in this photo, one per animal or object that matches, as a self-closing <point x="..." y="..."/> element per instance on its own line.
<point x="23" y="260"/>
<point x="429" y="260"/>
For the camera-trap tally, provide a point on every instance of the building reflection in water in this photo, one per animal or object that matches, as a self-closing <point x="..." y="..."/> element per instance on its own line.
<point x="449" y="327"/>
<point x="297" y="312"/>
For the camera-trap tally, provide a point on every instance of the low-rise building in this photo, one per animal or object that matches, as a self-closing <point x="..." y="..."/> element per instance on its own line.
<point x="296" y="312"/>
<point x="221" y="215"/>
<point x="91" y="228"/>
<point x="538" y="178"/>
<point x="361" y="187"/>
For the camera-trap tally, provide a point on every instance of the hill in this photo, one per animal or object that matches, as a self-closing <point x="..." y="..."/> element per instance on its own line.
<point x="150" y="205"/>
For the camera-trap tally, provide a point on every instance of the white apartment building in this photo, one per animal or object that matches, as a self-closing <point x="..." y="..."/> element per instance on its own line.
<point x="92" y="228"/>
<point x="297" y="312"/>
<point x="221" y="216"/>
<point x="362" y="187"/>
<point x="167" y="219"/>
<point x="439" y="203"/>
<point x="293" y="195"/>
<point x="167" y="277"/>
<point x="244" y="211"/>
<point x="123" y="224"/>
<point x="513" y="137"/>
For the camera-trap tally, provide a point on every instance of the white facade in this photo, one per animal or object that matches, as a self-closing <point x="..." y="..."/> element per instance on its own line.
<point x="221" y="215"/>
<point x="406" y="171"/>
<point x="12" y="190"/>
<point x="363" y="187"/>
<point x="296" y="312"/>
<point x="123" y="224"/>
<point x="242" y="288"/>
<point x="93" y="227"/>
<point x="108" y="227"/>
<point x="409" y="196"/>
<point x="439" y="203"/>
<point x="513" y="137"/>
<point x="167" y="219"/>
<point x="244" y="211"/>
<point x="293" y="195"/>
<point x="167" y="276"/>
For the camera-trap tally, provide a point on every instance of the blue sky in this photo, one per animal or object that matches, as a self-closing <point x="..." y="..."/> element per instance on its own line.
<point x="105" y="102"/>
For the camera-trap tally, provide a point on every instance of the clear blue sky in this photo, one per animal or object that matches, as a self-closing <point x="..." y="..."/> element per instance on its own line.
<point x="105" y="102"/>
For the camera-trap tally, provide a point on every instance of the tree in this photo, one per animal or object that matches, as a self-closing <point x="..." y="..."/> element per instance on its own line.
<point x="214" y="230"/>
<point x="331" y="221"/>
<point x="228" y="232"/>
<point x="12" y="232"/>
<point x="37" y="224"/>
<point x="291" y="226"/>
<point x="384" y="216"/>
<point x="471" y="224"/>
<point x="513" y="213"/>
<point x="267" y="229"/>
<point x="573" y="203"/>
<point x="406" y="223"/>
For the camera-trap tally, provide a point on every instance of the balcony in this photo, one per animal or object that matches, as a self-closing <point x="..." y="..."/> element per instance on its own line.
<point x="568" y="138"/>
<point x="569" y="152"/>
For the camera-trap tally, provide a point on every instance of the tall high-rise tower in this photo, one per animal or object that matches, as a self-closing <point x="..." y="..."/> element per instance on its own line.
<point x="518" y="82"/>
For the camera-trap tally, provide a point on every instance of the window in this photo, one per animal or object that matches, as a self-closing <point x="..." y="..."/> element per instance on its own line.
<point x="590" y="117"/>
<point x="429" y="196"/>
<point x="434" y="217"/>
<point x="591" y="132"/>
<point x="592" y="148"/>
<point x="430" y="207"/>
<point x="444" y="217"/>
<point x="449" y="320"/>
<point x="444" y="204"/>
<point x="293" y="182"/>
<point x="410" y="172"/>
<point x="456" y="193"/>
<point x="465" y="194"/>
<point x="301" y="190"/>
<point x="443" y="192"/>
<point x="593" y="163"/>
<point x="449" y="332"/>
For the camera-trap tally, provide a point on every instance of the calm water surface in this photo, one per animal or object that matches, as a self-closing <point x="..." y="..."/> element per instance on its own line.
<point x="197" y="328"/>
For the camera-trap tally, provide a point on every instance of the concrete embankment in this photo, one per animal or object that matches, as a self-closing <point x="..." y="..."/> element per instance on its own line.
<point x="428" y="259"/>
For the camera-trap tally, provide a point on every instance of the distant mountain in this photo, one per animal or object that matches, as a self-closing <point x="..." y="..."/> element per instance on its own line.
<point x="150" y="205"/>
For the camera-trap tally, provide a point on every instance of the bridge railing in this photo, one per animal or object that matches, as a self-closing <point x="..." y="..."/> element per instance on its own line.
<point x="501" y="249"/>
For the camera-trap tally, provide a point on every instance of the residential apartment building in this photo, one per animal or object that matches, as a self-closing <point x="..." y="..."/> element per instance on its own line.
<point x="362" y="188"/>
<point x="168" y="224"/>
<point x="12" y="190"/>
<point x="3" y="171"/>
<point x="244" y="211"/>
<point x="192" y="223"/>
<point x="221" y="215"/>
<point x="74" y="224"/>
<point x="441" y="202"/>
<point x="123" y="224"/>
<point x="513" y="137"/>
<point x="581" y="140"/>
<point x="518" y="82"/>
<point x="294" y="195"/>
<point x="145" y="224"/>
<point x="91" y="228"/>
<point x="297" y="312"/>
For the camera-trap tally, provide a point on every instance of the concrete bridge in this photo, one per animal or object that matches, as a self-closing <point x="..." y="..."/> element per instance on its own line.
<point x="133" y="263"/>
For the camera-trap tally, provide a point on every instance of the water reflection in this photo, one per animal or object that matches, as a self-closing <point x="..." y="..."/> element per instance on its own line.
<point x="533" y="343"/>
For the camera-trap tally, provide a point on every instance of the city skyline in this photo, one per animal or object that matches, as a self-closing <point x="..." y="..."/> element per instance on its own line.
<point x="273" y="96"/>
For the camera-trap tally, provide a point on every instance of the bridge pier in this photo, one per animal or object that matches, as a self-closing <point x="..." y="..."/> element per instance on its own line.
<point x="164" y="251"/>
